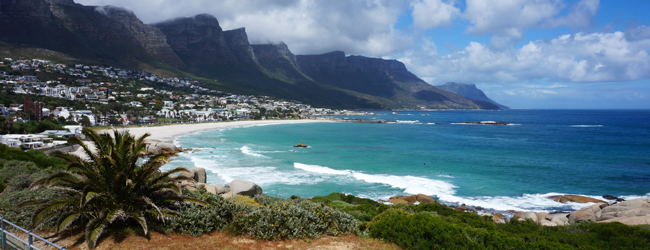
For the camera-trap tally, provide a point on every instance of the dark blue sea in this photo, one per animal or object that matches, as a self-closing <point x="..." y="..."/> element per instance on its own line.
<point x="495" y="167"/>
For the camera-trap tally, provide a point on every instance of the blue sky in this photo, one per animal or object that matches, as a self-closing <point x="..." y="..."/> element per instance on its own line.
<point x="522" y="53"/>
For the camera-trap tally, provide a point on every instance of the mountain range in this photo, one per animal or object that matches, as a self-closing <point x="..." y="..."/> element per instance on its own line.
<point x="198" y="47"/>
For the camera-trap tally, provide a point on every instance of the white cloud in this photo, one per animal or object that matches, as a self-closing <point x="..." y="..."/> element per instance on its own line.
<point x="507" y="20"/>
<point x="433" y="13"/>
<point x="307" y="27"/>
<point x="581" y="57"/>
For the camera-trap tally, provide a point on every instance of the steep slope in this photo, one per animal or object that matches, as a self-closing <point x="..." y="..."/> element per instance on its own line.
<point x="384" y="81"/>
<point x="228" y="57"/>
<point x="150" y="38"/>
<point x="470" y="91"/>
<point x="79" y="31"/>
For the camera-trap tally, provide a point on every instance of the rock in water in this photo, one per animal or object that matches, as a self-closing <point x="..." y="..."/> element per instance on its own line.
<point x="244" y="187"/>
<point x="611" y="197"/>
<point x="300" y="145"/>
<point x="574" y="198"/>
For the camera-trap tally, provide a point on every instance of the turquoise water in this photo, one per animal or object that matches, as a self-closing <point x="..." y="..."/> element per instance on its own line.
<point x="514" y="167"/>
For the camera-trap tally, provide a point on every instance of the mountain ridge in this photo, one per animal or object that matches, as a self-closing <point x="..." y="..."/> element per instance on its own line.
<point x="469" y="90"/>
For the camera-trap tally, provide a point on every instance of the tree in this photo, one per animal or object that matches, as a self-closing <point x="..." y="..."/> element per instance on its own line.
<point x="109" y="188"/>
<point x="114" y="121"/>
<point x="85" y="121"/>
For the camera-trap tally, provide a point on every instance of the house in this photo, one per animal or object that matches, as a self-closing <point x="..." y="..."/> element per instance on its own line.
<point x="30" y="78"/>
<point x="59" y="133"/>
<point x="25" y="140"/>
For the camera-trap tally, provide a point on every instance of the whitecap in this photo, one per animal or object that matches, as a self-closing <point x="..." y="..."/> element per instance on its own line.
<point x="407" y="121"/>
<point x="586" y="126"/>
<point x="247" y="151"/>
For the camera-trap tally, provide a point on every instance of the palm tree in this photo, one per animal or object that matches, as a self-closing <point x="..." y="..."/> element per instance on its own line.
<point x="109" y="188"/>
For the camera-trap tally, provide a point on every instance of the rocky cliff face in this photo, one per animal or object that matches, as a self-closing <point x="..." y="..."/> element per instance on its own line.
<point x="149" y="37"/>
<point x="470" y="91"/>
<point x="237" y="41"/>
<point x="278" y="60"/>
<point x="198" y="41"/>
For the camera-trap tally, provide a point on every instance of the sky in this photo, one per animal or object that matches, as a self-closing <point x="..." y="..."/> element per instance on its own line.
<point x="568" y="54"/>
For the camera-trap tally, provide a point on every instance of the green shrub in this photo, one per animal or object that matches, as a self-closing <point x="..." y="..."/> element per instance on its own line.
<point x="15" y="168"/>
<point x="20" y="176"/>
<point x="459" y="230"/>
<point x="197" y="220"/>
<point x="288" y="221"/>
<point x="39" y="158"/>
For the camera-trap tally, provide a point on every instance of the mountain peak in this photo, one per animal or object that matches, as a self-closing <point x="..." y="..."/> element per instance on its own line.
<point x="469" y="90"/>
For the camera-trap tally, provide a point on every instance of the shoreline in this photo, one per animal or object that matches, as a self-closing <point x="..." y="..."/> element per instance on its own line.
<point x="168" y="133"/>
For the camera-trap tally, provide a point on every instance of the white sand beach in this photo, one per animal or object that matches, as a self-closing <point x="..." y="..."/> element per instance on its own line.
<point x="169" y="132"/>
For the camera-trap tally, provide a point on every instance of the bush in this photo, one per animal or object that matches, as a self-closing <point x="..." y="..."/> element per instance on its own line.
<point x="458" y="230"/>
<point x="288" y="221"/>
<point x="19" y="176"/>
<point x="360" y="208"/>
<point x="197" y="220"/>
<point x="39" y="158"/>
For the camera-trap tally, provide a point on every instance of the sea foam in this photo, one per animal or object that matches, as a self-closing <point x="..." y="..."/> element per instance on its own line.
<point x="247" y="151"/>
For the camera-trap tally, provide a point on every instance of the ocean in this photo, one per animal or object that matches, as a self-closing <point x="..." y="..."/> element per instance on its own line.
<point x="494" y="167"/>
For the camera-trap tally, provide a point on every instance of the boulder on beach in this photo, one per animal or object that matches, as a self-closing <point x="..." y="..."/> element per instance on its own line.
<point x="244" y="187"/>
<point x="575" y="199"/>
<point x="300" y="145"/>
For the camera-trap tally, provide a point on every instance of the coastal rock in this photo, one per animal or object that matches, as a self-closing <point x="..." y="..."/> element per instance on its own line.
<point x="421" y="198"/>
<point x="611" y="197"/>
<point x="197" y="174"/>
<point x="559" y="219"/>
<point x="541" y="216"/>
<point x="589" y="213"/>
<point x="300" y="145"/>
<point x="627" y="205"/>
<point x="398" y="200"/>
<point x="526" y="215"/>
<point x="496" y="217"/>
<point x="642" y="211"/>
<point x="631" y="221"/>
<point x="158" y="147"/>
<point x="229" y="194"/>
<point x="211" y="189"/>
<point x="244" y="187"/>
<point x="575" y="199"/>
<point x="219" y="189"/>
